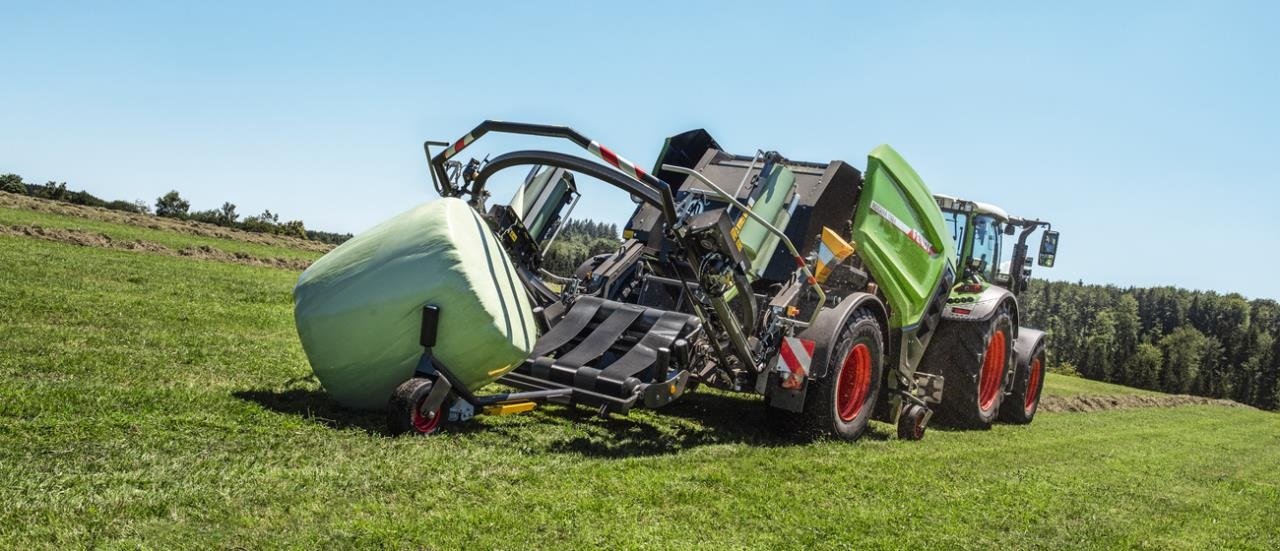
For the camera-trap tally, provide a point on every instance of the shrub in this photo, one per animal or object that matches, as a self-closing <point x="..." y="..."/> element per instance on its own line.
<point x="172" y="205"/>
<point x="12" y="183"/>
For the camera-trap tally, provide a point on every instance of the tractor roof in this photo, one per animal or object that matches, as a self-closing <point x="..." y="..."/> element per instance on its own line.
<point x="947" y="202"/>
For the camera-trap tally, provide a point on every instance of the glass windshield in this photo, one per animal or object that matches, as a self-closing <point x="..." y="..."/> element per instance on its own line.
<point x="957" y="222"/>
<point x="986" y="242"/>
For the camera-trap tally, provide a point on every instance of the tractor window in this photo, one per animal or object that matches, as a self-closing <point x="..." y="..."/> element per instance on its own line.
<point x="957" y="222"/>
<point x="986" y="242"/>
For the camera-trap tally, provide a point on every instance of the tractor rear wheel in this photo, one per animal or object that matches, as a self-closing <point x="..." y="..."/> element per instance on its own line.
<point x="840" y="402"/>
<point x="1023" y="402"/>
<point x="974" y="359"/>
<point x="404" y="409"/>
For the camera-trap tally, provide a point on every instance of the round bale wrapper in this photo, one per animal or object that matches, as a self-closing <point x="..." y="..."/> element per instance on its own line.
<point x="358" y="309"/>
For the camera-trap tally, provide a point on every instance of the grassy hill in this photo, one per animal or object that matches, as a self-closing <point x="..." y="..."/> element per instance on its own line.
<point x="155" y="399"/>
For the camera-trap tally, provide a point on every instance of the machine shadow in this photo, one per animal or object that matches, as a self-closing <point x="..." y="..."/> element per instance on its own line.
<point x="316" y="406"/>
<point x="699" y="419"/>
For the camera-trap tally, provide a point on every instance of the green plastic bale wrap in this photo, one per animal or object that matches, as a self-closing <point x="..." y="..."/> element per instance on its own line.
<point x="358" y="309"/>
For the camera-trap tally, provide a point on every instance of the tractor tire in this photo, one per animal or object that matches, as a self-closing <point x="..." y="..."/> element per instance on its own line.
<point x="1021" y="405"/>
<point x="974" y="359"/>
<point x="841" y="402"/>
<point x="404" y="409"/>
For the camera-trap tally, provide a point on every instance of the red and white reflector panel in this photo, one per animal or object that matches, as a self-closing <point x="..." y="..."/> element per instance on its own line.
<point x="458" y="145"/>
<point x="627" y="167"/>
<point x="796" y="356"/>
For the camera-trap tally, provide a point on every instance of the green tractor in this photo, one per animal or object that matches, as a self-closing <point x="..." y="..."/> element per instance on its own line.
<point x="994" y="368"/>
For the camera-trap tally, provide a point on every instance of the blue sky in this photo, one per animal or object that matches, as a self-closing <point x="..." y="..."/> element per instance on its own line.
<point x="1147" y="132"/>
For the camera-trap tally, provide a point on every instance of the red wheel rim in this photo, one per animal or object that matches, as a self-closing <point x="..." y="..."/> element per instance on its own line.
<point x="992" y="372"/>
<point x="853" y="384"/>
<point x="421" y="422"/>
<point x="1033" y="386"/>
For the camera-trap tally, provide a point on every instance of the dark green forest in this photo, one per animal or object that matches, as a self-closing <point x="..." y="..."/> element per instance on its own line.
<point x="1161" y="338"/>
<point x="578" y="241"/>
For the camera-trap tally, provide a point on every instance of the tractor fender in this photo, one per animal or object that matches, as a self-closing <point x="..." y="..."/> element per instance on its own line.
<point x="1026" y="343"/>
<point x="826" y="329"/>
<point x="984" y="308"/>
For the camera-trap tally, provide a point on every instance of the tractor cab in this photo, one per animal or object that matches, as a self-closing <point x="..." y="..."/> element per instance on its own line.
<point x="979" y="231"/>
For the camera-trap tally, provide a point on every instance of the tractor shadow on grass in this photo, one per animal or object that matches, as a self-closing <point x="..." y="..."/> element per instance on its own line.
<point x="701" y="418"/>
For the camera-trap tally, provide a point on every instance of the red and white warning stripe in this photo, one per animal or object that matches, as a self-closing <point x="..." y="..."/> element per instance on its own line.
<point x="796" y="355"/>
<point x="627" y="167"/>
<point x="911" y="232"/>
<point x="458" y="145"/>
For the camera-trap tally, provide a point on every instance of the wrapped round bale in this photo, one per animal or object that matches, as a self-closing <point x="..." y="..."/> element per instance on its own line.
<point x="358" y="309"/>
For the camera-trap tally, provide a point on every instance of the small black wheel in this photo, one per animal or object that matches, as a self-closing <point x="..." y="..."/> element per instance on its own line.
<point x="1021" y="405"/>
<point x="911" y="422"/>
<point x="404" y="409"/>
<point x="840" y="403"/>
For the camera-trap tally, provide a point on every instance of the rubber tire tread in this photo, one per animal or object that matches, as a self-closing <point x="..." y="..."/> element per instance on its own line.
<point x="400" y="405"/>
<point x="957" y="352"/>
<point x="820" y="415"/>
<point x="1016" y="412"/>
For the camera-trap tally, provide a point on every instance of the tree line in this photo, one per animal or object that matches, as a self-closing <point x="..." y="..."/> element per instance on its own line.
<point x="172" y="205"/>
<point x="577" y="241"/>
<point x="1161" y="338"/>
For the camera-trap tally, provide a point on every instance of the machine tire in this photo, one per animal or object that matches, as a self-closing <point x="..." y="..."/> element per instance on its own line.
<point x="968" y="355"/>
<point x="404" y="415"/>
<point x="911" y="422"/>
<point x="1028" y="382"/>
<point x="841" y="402"/>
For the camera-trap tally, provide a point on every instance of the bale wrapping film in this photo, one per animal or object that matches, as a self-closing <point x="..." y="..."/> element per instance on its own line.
<point x="358" y="309"/>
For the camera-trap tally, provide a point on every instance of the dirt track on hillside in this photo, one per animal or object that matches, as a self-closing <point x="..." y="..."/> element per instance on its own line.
<point x="1059" y="404"/>
<point x="203" y="252"/>
<point x="158" y="223"/>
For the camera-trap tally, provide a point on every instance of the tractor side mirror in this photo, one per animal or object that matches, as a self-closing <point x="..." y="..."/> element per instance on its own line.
<point x="1009" y="229"/>
<point x="1048" y="248"/>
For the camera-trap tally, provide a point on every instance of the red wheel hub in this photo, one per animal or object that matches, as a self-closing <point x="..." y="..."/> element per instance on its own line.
<point x="992" y="372"/>
<point x="424" y="423"/>
<point x="853" y="383"/>
<point x="1033" y="385"/>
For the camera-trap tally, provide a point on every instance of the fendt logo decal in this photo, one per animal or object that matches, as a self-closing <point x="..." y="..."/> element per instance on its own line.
<point x="911" y="232"/>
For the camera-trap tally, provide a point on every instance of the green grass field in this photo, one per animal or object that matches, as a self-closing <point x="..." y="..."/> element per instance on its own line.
<point x="1075" y="386"/>
<point x="164" y="402"/>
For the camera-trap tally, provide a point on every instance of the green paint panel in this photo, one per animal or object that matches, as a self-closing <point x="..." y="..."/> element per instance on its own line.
<point x="757" y="242"/>
<point x="900" y="234"/>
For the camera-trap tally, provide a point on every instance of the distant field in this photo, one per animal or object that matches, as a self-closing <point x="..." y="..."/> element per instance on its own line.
<point x="15" y="211"/>
<point x="158" y="401"/>
<point x="1057" y="385"/>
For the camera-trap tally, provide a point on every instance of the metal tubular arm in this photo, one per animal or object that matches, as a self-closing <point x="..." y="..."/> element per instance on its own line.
<point x="568" y="162"/>
<point x="628" y="168"/>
